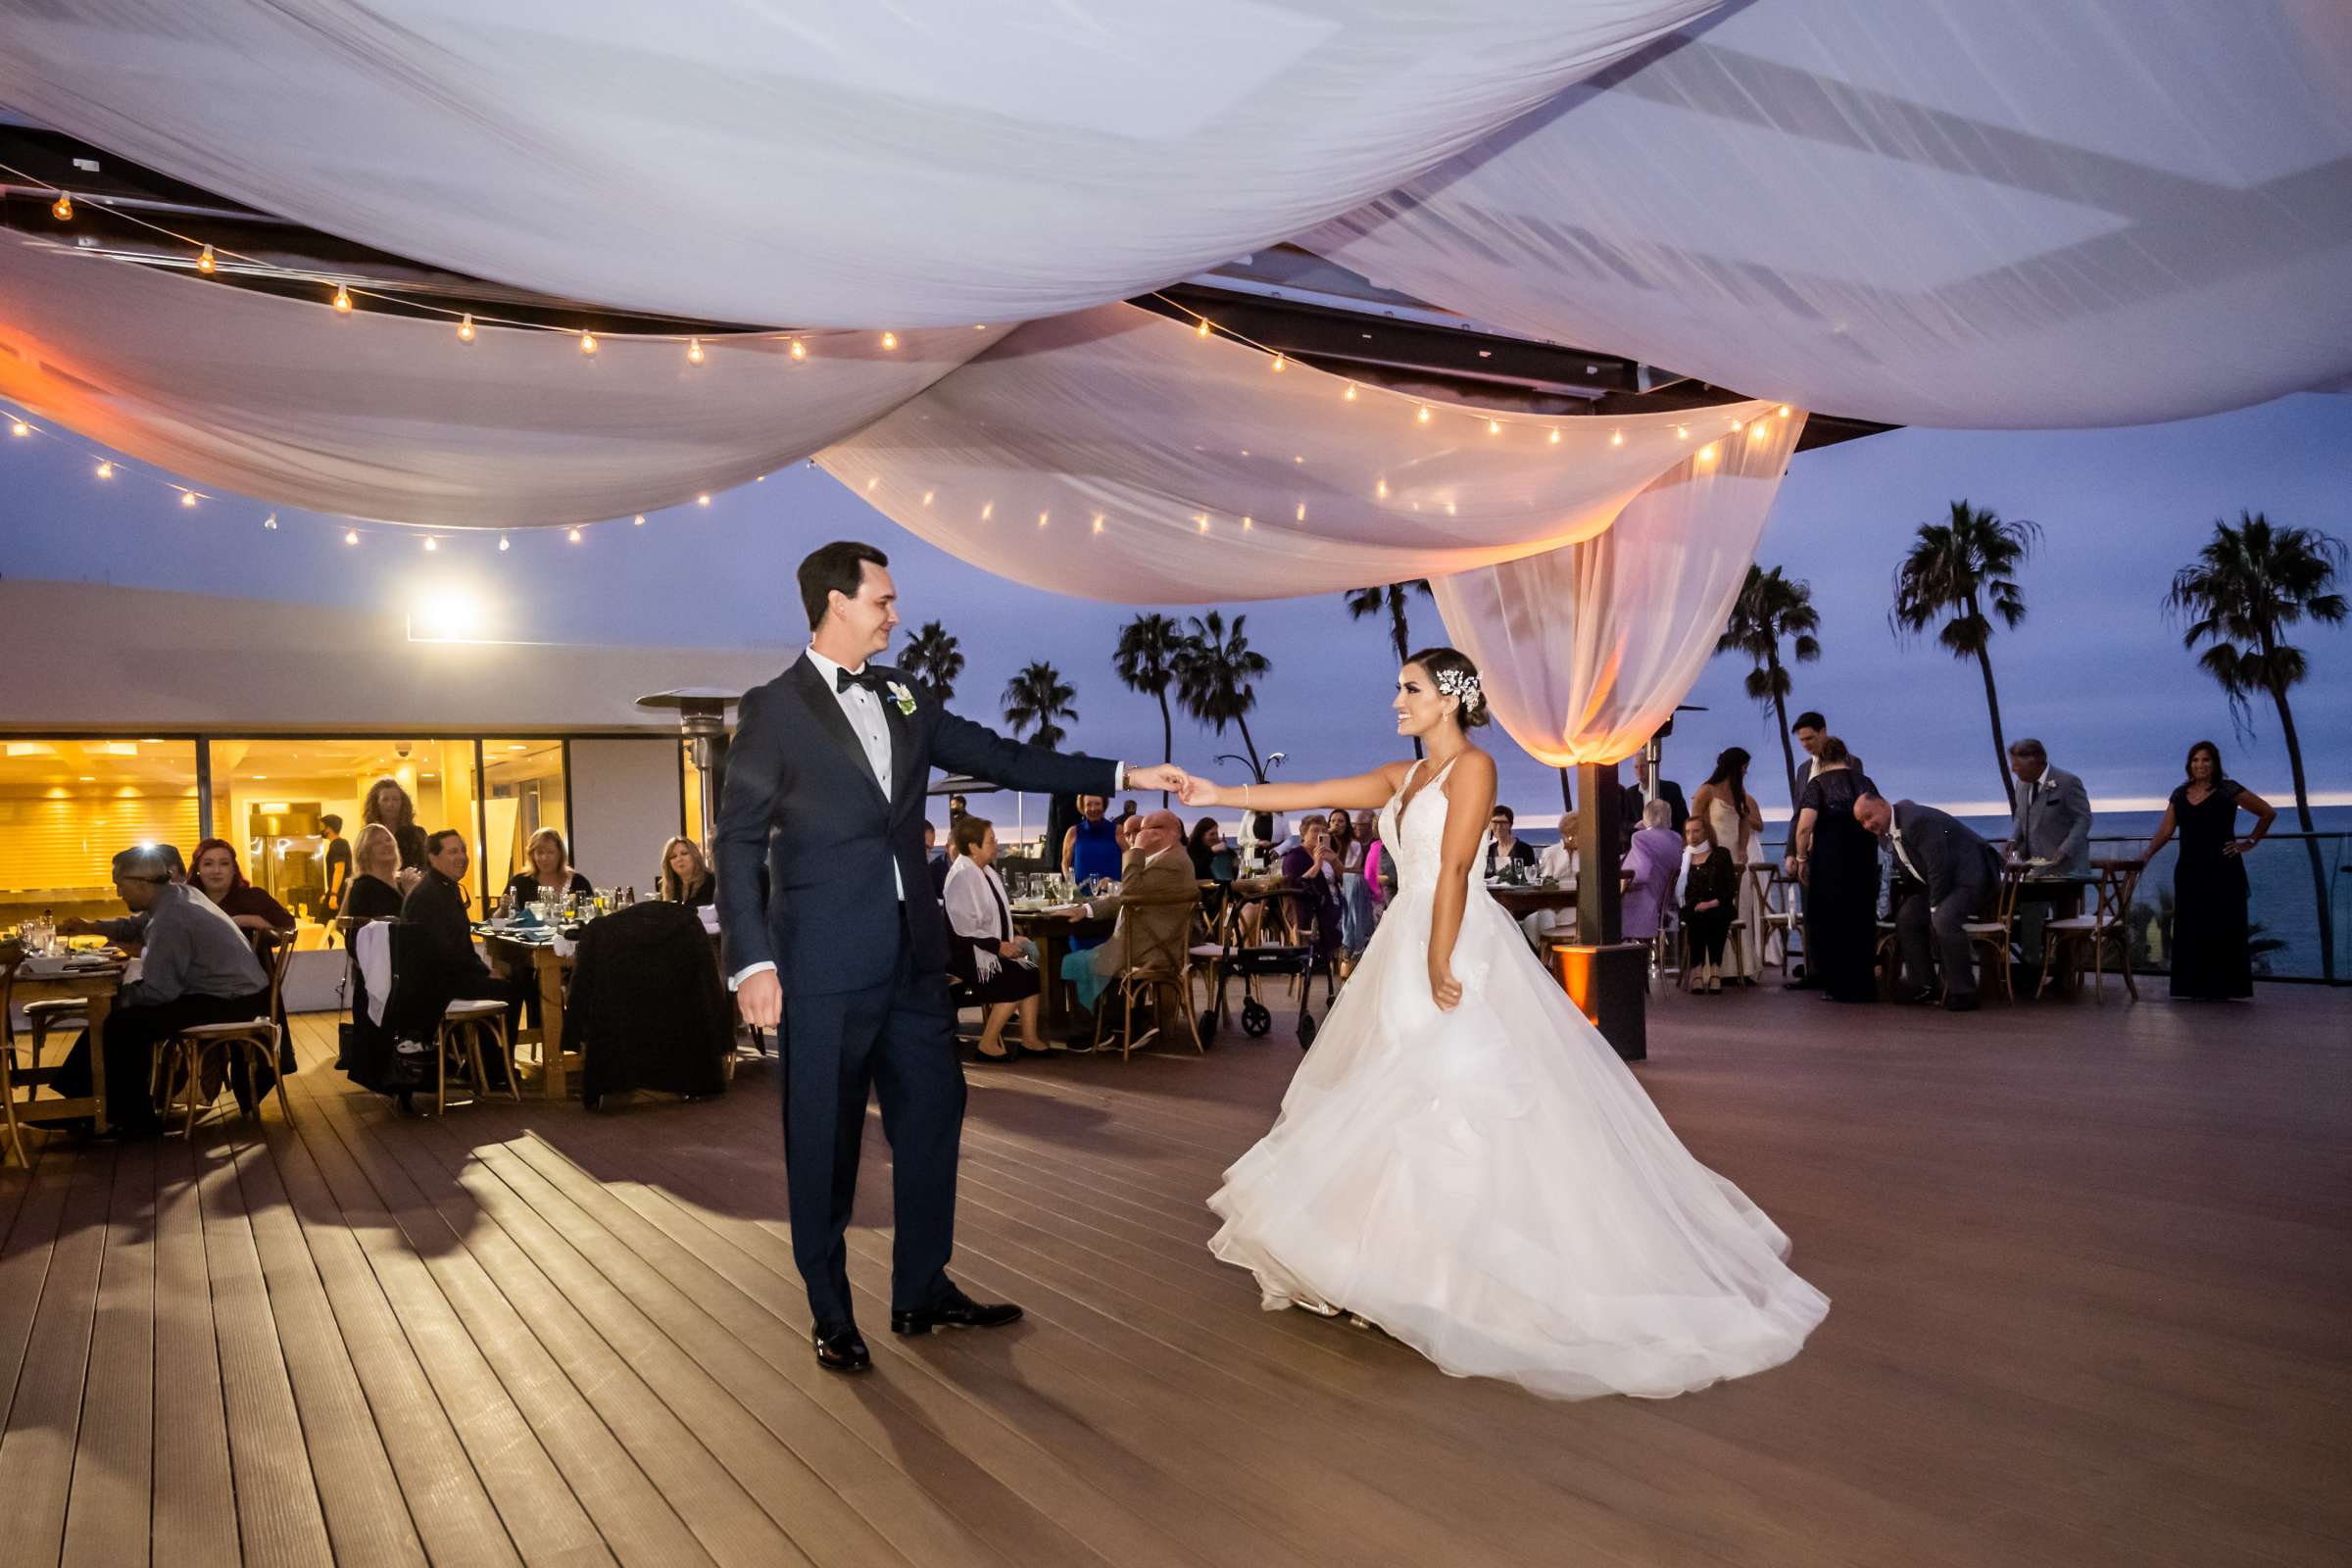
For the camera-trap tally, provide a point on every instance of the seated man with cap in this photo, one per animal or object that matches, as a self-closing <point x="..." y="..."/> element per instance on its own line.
<point x="195" y="967"/>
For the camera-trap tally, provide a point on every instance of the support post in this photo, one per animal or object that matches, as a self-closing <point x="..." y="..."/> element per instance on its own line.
<point x="1599" y="905"/>
<point x="1607" y="975"/>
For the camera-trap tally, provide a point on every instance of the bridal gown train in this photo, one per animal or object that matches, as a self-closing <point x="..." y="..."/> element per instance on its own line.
<point x="1492" y="1186"/>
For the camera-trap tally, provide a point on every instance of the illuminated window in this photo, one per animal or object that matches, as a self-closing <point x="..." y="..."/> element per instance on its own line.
<point x="524" y="792"/>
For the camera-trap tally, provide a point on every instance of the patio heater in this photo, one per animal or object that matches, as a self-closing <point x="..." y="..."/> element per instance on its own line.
<point x="703" y="720"/>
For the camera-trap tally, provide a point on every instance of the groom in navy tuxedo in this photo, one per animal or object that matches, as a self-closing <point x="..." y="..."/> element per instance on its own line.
<point x="845" y="949"/>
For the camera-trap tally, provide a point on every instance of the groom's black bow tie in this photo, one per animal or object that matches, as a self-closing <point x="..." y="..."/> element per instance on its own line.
<point x="844" y="679"/>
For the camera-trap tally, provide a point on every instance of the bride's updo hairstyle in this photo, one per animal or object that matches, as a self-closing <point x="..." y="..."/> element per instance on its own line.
<point x="1453" y="673"/>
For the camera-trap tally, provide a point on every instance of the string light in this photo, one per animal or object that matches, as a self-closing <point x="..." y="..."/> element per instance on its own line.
<point x="694" y="351"/>
<point x="638" y="522"/>
<point x="574" y="536"/>
<point x="1556" y="435"/>
<point x="987" y="511"/>
<point x="871" y="483"/>
<point x="62" y="208"/>
<point x="1616" y="438"/>
<point x="1201" y="329"/>
<point x="1348" y="395"/>
<point x="1381" y="490"/>
<point x="799" y="350"/>
<point x="1202" y="518"/>
<point x="503" y="545"/>
<point x="1682" y="433"/>
<point x="19" y="427"/>
<point x="1097" y="523"/>
<point x="105" y="471"/>
<point x="927" y="495"/>
<point x="1042" y="519"/>
<point x="350" y="536"/>
<point x="1738" y="426"/>
<point x="1493" y="428"/>
<point x="270" y="523"/>
<point x="1784" y="411"/>
<point x="1756" y="432"/>
<point x="702" y="500"/>
<point x="204" y="261"/>
<point x="889" y="340"/>
<point x="1248" y="523"/>
<point x="187" y="498"/>
<point x="465" y="328"/>
<point x="1423" y="415"/>
<point x="587" y="342"/>
<point x="1301" y="512"/>
<point x="342" y="299"/>
<point x="431" y="543"/>
<point x="1278" y="363"/>
<point x="1706" y="454"/>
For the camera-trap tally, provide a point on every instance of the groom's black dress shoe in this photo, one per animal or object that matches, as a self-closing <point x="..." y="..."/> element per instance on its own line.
<point x="840" y="1348"/>
<point x="955" y="1310"/>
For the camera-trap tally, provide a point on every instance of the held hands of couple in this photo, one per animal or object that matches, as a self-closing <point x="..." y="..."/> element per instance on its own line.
<point x="1199" y="792"/>
<point x="1163" y="777"/>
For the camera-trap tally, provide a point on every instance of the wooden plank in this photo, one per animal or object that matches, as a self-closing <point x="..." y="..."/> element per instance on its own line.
<point x="279" y="1515"/>
<point x="37" y="1198"/>
<point x="44" y="1420"/>
<point x="195" y="1495"/>
<point x="113" y="1464"/>
<point x="364" y="1515"/>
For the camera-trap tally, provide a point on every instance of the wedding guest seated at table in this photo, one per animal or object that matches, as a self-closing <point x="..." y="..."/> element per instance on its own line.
<point x="549" y="871"/>
<point x="1157" y="867"/>
<point x="1556" y="864"/>
<point x="126" y="931"/>
<point x="1710" y="899"/>
<point x="1214" y="860"/>
<point x="437" y="905"/>
<point x="374" y="891"/>
<point x="389" y="804"/>
<point x="998" y="968"/>
<point x="195" y="967"/>
<point x="1505" y="847"/>
<point x="1647" y="874"/>
<point x="223" y="882"/>
<point x="686" y="875"/>
<point x="1314" y="871"/>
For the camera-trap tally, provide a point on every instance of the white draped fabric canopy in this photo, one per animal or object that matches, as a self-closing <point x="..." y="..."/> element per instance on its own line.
<point x="1979" y="213"/>
<point x="1115" y="455"/>
<point x="372" y="416"/>
<point x="828" y="163"/>
<point x="1586" y="650"/>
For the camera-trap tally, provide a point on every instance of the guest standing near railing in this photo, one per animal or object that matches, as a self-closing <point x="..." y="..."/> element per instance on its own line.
<point x="1836" y="861"/>
<point x="1735" y="818"/>
<point x="2211" y="957"/>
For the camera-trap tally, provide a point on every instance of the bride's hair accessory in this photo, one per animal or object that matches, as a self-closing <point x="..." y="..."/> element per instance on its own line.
<point x="1462" y="683"/>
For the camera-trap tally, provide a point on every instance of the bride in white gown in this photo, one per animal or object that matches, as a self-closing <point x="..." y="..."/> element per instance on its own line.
<point x="1463" y="1161"/>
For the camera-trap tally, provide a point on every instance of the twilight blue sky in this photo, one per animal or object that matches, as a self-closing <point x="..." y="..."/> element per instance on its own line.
<point x="2097" y="670"/>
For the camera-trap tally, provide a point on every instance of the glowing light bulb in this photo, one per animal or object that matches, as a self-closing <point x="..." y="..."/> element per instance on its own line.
<point x="350" y="536"/>
<point x="1199" y="329"/>
<point x="1097" y="523"/>
<point x="1756" y="432"/>
<point x="927" y="495"/>
<point x="987" y="511"/>
<point x="1348" y="395"/>
<point x="1554" y="438"/>
<point x="1616" y="438"/>
<point x="889" y="340"/>
<point x="1493" y="428"/>
<point x="869" y="485"/>
<point x="1202" y="518"/>
<point x="187" y="498"/>
<point x="105" y="471"/>
<point x="1381" y="490"/>
<point x="431" y="543"/>
<point x="1278" y="362"/>
<point x="702" y="500"/>
<point x="63" y="207"/>
<point x="587" y="342"/>
<point x="204" y="261"/>
<point x="1784" y="411"/>
<point x="342" y="299"/>
<point x="19" y="427"/>
<point x="1706" y="454"/>
<point x="574" y="536"/>
<point x="638" y="522"/>
<point x="1248" y="523"/>
<point x="1301" y="512"/>
<point x="1043" y="517"/>
<point x="504" y="544"/>
<point x="270" y="521"/>
<point x="1423" y="415"/>
<point x="1738" y="426"/>
<point x="799" y="350"/>
<point x="1682" y="433"/>
<point x="694" y="351"/>
<point x="465" y="328"/>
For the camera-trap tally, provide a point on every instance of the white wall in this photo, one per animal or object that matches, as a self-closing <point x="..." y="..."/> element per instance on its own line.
<point x="625" y="802"/>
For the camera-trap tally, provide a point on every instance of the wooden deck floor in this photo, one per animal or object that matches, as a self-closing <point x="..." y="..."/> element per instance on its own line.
<point x="2090" y="1265"/>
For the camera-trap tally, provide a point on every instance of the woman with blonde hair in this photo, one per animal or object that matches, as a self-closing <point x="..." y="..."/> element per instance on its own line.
<point x="374" y="891"/>
<point x="686" y="875"/>
<point x="389" y="804"/>
<point x="547" y="869"/>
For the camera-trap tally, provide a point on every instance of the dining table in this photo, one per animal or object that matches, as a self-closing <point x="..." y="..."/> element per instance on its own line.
<point x="1053" y="929"/>
<point x="534" y="953"/>
<point x="94" y="985"/>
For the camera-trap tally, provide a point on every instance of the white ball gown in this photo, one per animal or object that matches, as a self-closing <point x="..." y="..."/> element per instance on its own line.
<point x="1491" y="1185"/>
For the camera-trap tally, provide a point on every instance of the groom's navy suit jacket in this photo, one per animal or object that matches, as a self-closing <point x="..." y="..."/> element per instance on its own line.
<point x="802" y="799"/>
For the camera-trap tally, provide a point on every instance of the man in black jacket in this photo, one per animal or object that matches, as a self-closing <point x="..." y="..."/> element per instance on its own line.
<point x="1946" y="877"/>
<point x="848" y="948"/>
<point x="437" y="906"/>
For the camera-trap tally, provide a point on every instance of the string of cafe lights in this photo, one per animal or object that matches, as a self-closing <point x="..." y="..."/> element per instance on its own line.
<point x="23" y="426"/>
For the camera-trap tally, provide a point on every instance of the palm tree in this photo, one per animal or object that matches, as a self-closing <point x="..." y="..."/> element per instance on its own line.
<point x="1039" y="696"/>
<point x="932" y="657"/>
<point x="1390" y="598"/>
<point x="1967" y="565"/>
<point x="2248" y="585"/>
<point x="1149" y="649"/>
<point x="1215" y="677"/>
<point x="1769" y="608"/>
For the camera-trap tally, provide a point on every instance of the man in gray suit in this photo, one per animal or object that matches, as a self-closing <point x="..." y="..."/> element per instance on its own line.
<point x="1946" y="877"/>
<point x="2051" y="835"/>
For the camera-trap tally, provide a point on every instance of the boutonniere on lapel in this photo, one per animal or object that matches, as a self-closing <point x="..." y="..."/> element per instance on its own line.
<point x="902" y="699"/>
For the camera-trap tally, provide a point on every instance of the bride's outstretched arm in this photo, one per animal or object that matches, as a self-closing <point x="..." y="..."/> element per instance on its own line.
<point x="1469" y="802"/>
<point x="1363" y="792"/>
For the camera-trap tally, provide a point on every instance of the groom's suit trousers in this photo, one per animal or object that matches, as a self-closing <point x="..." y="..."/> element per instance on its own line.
<point x="900" y="1037"/>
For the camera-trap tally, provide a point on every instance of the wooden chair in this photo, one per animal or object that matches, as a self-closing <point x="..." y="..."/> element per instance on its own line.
<point x="1154" y="968"/>
<point x="1780" y="920"/>
<point x="2109" y="920"/>
<point x="12" y="958"/>
<point x="460" y="1035"/>
<point x="256" y="1041"/>
<point x="1998" y="934"/>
